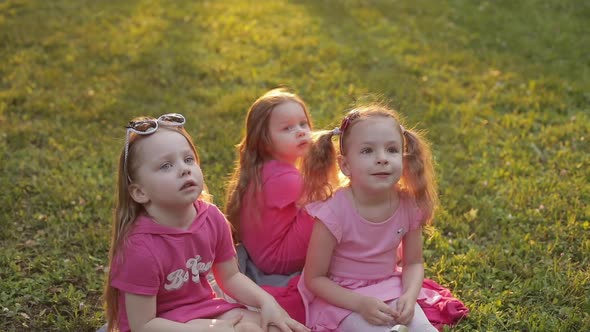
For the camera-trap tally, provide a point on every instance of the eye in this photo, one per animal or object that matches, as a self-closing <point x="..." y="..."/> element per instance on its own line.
<point x="304" y="124"/>
<point x="366" y="150"/>
<point x="393" y="150"/>
<point x="189" y="160"/>
<point x="288" y="128"/>
<point x="166" y="166"/>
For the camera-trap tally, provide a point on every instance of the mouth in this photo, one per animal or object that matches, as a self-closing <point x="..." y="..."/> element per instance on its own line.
<point x="381" y="174"/>
<point x="188" y="184"/>
<point x="303" y="144"/>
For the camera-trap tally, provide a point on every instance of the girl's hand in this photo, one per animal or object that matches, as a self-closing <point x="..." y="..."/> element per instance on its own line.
<point x="375" y="311"/>
<point x="405" y="308"/>
<point x="271" y="313"/>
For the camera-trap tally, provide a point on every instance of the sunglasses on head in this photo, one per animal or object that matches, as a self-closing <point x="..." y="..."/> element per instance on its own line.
<point x="149" y="126"/>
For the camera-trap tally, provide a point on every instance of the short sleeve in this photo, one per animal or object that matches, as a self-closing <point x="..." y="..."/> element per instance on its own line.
<point x="224" y="248"/>
<point x="324" y="213"/>
<point x="135" y="269"/>
<point x="283" y="189"/>
<point x="416" y="217"/>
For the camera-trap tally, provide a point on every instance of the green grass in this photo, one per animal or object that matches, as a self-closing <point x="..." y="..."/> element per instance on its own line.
<point x="503" y="88"/>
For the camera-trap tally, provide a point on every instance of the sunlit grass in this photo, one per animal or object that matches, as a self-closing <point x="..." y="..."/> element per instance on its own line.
<point x="501" y="87"/>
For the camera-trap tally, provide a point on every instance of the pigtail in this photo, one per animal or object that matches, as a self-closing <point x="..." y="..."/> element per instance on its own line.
<point x="418" y="173"/>
<point x="320" y="168"/>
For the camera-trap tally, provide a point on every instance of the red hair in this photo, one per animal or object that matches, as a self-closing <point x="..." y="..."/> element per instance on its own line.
<point x="253" y="151"/>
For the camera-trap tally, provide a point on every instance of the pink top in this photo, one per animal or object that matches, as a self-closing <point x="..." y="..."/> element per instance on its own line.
<point x="173" y="264"/>
<point x="276" y="232"/>
<point x="364" y="258"/>
<point x="364" y="250"/>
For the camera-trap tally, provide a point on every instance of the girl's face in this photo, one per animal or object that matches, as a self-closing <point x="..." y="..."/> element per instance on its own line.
<point x="167" y="176"/>
<point x="289" y="132"/>
<point x="373" y="154"/>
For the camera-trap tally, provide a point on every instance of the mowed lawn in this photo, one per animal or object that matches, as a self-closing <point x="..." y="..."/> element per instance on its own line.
<point x="501" y="87"/>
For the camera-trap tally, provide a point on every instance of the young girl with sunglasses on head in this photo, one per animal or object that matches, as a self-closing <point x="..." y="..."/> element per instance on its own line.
<point x="167" y="238"/>
<point x="350" y="281"/>
<point x="264" y="193"/>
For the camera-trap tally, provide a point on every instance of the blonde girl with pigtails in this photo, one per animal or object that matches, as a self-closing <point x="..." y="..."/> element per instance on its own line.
<point x="351" y="281"/>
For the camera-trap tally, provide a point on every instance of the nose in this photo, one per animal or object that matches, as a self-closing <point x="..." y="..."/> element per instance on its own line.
<point x="302" y="132"/>
<point x="382" y="162"/>
<point x="186" y="170"/>
<point x="382" y="159"/>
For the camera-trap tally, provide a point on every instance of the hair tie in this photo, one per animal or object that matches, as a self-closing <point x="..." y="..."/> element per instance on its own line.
<point x="336" y="131"/>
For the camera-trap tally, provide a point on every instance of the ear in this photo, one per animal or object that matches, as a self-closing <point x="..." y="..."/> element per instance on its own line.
<point x="344" y="167"/>
<point x="137" y="193"/>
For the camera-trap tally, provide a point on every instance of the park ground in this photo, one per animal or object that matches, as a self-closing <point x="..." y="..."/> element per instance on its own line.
<point x="502" y="89"/>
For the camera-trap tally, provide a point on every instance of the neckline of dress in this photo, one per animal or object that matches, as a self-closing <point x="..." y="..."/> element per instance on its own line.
<point x="351" y="199"/>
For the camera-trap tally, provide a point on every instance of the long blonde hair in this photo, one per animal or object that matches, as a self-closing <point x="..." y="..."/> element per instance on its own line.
<point x="253" y="151"/>
<point x="321" y="173"/>
<point x="126" y="212"/>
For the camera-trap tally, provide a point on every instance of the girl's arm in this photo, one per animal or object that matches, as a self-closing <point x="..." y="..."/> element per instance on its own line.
<point x="319" y="256"/>
<point x="412" y="275"/>
<point x="413" y="266"/>
<point x="141" y="313"/>
<point x="245" y="291"/>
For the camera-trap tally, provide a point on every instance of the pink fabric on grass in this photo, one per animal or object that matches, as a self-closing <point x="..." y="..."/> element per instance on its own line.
<point x="448" y="310"/>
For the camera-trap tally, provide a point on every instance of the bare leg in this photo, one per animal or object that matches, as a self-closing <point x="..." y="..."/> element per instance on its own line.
<point x="420" y="322"/>
<point x="355" y="323"/>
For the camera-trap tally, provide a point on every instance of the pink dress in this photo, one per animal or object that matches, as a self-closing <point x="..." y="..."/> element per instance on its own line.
<point x="365" y="256"/>
<point x="173" y="265"/>
<point x="276" y="231"/>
